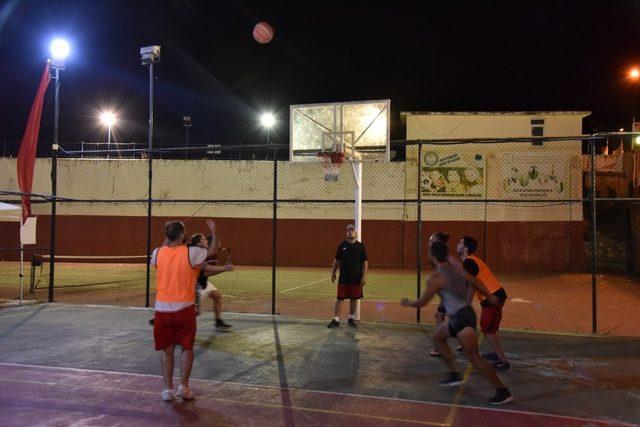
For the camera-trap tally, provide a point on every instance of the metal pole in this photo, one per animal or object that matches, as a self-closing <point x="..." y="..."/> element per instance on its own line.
<point x="186" y="151"/>
<point x="357" y="170"/>
<point x="21" y="266"/>
<point x="57" y="107"/>
<point x="594" y="240"/>
<point x="108" y="139"/>
<point x="274" y="232"/>
<point x="419" y="239"/>
<point x="52" y="220"/>
<point x="149" y="198"/>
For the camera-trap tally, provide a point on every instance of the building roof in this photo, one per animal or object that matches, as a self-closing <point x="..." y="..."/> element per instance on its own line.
<point x="404" y="114"/>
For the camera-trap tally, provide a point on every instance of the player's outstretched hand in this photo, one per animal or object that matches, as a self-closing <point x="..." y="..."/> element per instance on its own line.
<point x="211" y="225"/>
<point x="229" y="267"/>
<point x="405" y="302"/>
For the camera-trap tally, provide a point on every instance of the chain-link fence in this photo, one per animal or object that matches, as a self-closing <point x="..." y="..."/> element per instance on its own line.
<point x="528" y="204"/>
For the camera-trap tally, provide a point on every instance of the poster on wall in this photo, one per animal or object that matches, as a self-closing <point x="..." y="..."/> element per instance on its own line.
<point x="454" y="174"/>
<point x="534" y="176"/>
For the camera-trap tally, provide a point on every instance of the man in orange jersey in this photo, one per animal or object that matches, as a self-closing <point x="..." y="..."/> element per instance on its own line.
<point x="491" y="313"/>
<point x="175" y="316"/>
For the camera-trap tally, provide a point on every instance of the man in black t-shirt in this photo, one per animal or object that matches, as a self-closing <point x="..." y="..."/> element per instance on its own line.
<point x="351" y="258"/>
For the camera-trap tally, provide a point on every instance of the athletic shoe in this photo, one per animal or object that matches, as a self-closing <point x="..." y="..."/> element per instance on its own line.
<point x="151" y="321"/>
<point x="333" y="324"/>
<point x="503" y="366"/>
<point x="167" y="395"/>
<point x="435" y="353"/>
<point x="221" y="324"/>
<point x="501" y="397"/>
<point x="490" y="355"/>
<point x="453" y="379"/>
<point x="184" y="393"/>
<point x="459" y="349"/>
<point x="352" y="323"/>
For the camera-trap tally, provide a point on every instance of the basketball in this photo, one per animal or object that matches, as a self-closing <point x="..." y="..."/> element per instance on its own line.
<point x="262" y="33"/>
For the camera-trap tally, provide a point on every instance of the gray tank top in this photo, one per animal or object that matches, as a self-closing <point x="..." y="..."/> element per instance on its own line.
<point x="454" y="294"/>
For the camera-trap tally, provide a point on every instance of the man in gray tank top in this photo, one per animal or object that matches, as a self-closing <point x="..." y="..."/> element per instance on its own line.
<point x="451" y="283"/>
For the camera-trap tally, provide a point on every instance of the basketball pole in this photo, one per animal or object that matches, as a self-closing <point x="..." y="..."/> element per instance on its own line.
<point x="357" y="174"/>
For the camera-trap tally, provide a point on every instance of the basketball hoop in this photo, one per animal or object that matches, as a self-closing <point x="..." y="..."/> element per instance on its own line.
<point x="331" y="163"/>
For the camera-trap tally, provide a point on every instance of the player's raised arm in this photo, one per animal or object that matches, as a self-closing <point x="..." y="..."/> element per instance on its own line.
<point x="435" y="282"/>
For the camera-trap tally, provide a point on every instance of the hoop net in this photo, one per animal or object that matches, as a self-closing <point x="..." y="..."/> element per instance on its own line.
<point x="331" y="163"/>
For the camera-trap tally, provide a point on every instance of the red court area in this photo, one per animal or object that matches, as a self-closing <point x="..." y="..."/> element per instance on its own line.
<point x="37" y="395"/>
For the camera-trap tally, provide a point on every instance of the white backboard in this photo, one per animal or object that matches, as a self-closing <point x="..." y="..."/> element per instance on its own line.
<point x="359" y="128"/>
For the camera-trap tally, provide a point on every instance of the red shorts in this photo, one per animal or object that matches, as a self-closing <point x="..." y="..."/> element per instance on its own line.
<point x="349" y="291"/>
<point x="175" y="328"/>
<point x="490" y="318"/>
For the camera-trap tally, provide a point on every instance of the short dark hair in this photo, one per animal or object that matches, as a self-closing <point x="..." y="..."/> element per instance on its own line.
<point x="196" y="239"/>
<point x="439" y="251"/>
<point x="470" y="243"/>
<point x="440" y="236"/>
<point x="173" y="230"/>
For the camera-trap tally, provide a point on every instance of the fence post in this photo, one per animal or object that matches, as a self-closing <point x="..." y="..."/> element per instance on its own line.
<point x="594" y="241"/>
<point x="419" y="239"/>
<point x="52" y="218"/>
<point x="274" y="232"/>
<point x="149" y="198"/>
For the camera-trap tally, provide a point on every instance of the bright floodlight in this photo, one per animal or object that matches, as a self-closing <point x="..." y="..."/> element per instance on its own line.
<point x="108" y="119"/>
<point x="268" y="120"/>
<point x="634" y="73"/>
<point x="59" y="49"/>
<point x="637" y="140"/>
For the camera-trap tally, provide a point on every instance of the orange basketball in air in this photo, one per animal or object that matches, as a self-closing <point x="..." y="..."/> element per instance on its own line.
<point x="263" y="32"/>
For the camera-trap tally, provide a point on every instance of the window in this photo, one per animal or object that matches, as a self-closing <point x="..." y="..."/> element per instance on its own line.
<point x="537" y="129"/>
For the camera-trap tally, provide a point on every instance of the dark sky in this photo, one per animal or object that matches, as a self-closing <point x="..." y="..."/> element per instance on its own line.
<point x="423" y="55"/>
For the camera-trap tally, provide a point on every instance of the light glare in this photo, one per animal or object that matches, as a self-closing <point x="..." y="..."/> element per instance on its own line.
<point x="268" y="120"/>
<point x="59" y="49"/>
<point x="108" y="118"/>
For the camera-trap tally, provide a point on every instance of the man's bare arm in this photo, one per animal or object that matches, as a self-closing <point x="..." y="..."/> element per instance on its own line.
<point x="365" y="268"/>
<point x="481" y="288"/>
<point x="213" y="246"/>
<point x="336" y="265"/>
<point x="212" y="270"/>
<point x="434" y="284"/>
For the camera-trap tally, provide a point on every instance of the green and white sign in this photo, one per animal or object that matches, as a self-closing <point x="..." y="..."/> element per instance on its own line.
<point x="534" y="176"/>
<point x="453" y="174"/>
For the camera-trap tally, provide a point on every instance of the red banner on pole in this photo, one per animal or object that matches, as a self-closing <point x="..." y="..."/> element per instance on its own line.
<point x="27" y="153"/>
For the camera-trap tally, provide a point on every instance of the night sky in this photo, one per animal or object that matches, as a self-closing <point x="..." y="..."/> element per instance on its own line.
<point x="423" y="55"/>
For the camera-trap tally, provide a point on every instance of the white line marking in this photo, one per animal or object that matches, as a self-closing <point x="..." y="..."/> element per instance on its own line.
<point x="306" y="284"/>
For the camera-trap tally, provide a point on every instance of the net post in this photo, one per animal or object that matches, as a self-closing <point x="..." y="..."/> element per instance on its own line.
<point x="52" y="218"/>
<point x="419" y="239"/>
<point x="274" y="231"/>
<point x="594" y="241"/>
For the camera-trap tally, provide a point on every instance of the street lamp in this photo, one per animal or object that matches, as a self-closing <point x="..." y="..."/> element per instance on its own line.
<point x="59" y="49"/>
<point x="186" y="122"/>
<point x="634" y="73"/>
<point x="108" y="118"/>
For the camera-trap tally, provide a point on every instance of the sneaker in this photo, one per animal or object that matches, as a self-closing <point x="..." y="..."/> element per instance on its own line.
<point x="452" y="380"/>
<point x="435" y="353"/>
<point x="333" y="324"/>
<point x="352" y="323"/>
<point x="167" y="395"/>
<point x="185" y="393"/>
<point x="459" y="349"/>
<point x="502" y="365"/>
<point x="151" y="321"/>
<point x="501" y="397"/>
<point x="490" y="355"/>
<point x="221" y="324"/>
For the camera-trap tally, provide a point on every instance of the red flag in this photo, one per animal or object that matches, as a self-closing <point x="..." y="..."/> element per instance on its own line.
<point x="27" y="153"/>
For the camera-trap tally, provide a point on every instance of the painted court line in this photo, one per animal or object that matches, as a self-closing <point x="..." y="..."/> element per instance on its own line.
<point x="306" y="284"/>
<point x="329" y="393"/>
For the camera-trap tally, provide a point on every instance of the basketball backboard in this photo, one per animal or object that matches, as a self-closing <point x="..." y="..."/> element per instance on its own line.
<point x="360" y="129"/>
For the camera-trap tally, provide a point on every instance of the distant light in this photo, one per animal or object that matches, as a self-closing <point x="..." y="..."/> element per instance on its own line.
<point x="268" y="120"/>
<point x="634" y="73"/>
<point x="637" y="140"/>
<point x="59" y="49"/>
<point x="621" y="130"/>
<point x="108" y="118"/>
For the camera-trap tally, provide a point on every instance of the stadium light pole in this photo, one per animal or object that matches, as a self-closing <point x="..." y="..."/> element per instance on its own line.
<point x="268" y="120"/>
<point x="59" y="49"/>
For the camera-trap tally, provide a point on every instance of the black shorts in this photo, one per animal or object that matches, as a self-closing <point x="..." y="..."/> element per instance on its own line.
<point x="463" y="318"/>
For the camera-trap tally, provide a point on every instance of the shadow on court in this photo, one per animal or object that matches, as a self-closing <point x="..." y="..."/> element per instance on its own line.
<point x="63" y="364"/>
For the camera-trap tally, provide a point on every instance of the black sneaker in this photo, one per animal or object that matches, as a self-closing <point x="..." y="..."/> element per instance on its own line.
<point x="503" y="366"/>
<point x="151" y="321"/>
<point x="501" y="397"/>
<point x="452" y="380"/>
<point x="333" y="324"/>
<point x="352" y="323"/>
<point x="490" y="355"/>
<point x="221" y="324"/>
